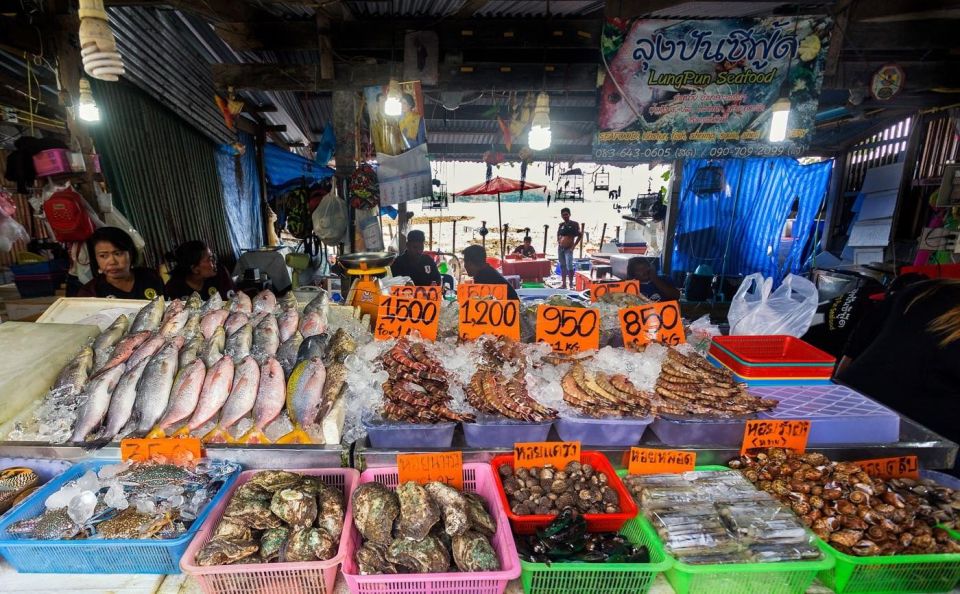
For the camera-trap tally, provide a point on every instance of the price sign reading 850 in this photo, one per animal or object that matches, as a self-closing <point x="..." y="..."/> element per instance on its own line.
<point x="655" y="322"/>
<point x="568" y="329"/>
<point x="399" y="316"/>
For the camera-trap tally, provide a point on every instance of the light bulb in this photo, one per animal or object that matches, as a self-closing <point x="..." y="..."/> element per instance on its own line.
<point x="540" y="136"/>
<point x="89" y="112"/>
<point x="393" y="106"/>
<point x="779" y="119"/>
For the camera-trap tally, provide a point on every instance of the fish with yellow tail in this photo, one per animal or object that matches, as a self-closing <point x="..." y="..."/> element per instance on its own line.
<point x="270" y="400"/>
<point x="213" y="395"/>
<point x="304" y="398"/>
<point x="183" y="397"/>
<point x="243" y="394"/>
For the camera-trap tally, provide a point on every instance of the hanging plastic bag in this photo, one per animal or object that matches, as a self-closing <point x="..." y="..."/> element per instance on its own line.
<point x="10" y="233"/>
<point x="755" y="310"/>
<point x="115" y="218"/>
<point x="330" y="219"/>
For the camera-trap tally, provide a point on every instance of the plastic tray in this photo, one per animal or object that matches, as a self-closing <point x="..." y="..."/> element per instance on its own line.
<point x="605" y="578"/>
<point x="316" y="577"/>
<point x="695" y="432"/>
<point x="837" y="413"/>
<point x="602" y="432"/>
<point x="773" y="381"/>
<point x="94" y="556"/>
<point x="500" y="432"/>
<point x="886" y="575"/>
<point x="595" y="522"/>
<point x="384" y="434"/>
<point x="477" y="478"/>
<point x="772" y="351"/>
<point x="760" y="372"/>
<point x="47" y="470"/>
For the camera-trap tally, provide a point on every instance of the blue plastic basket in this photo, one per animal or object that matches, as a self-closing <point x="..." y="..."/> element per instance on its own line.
<point x="94" y="556"/>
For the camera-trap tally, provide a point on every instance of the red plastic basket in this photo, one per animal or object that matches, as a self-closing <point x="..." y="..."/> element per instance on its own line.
<point x="315" y="577"/>
<point x="477" y="478"/>
<point x="771" y="356"/>
<point x="595" y="522"/>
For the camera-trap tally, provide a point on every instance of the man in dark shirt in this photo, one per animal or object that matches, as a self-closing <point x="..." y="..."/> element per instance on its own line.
<point x="569" y="235"/>
<point x="526" y="250"/>
<point x="475" y="263"/>
<point x="653" y="286"/>
<point x="421" y="269"/>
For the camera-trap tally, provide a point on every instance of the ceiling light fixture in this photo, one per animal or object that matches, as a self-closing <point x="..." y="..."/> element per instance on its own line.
<point x="540" y="136"/>
<point x="87" y="109"/>
<point x="393" y="106"/>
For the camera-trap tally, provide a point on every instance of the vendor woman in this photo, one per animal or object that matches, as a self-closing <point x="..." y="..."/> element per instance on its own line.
<point x="196" y="270"/>
<point x="113" y="275"/>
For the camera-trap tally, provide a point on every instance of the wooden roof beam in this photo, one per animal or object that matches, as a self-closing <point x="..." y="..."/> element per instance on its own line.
<point x="894" y="11"/>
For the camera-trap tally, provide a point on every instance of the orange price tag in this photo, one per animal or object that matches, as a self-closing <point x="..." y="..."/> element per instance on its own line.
<point x="429" y="293"/>
<point x="171" y="449"/>
<point x="896" y="467"/>
<point x="598" y="290"/>
<point x="568" y="329"/>
<point x="541" y="453"/>
<point x="444" y="467"/>
<point x="773" y="433"/>
<point x="650" y="461"/>
<point x="473" y="291"/>
<point x="399" y="316"/>
<point x="655" y="322"/>
<point x="484" y="316"/>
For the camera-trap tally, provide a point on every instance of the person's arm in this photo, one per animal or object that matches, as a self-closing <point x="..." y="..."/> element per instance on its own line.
<point x="579" y="236"/>
<point x="435" y="278"/>
<point x="667" y="290"/>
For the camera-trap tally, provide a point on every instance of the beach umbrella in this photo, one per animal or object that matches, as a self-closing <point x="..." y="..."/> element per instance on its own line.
<point x="496" y="186"/>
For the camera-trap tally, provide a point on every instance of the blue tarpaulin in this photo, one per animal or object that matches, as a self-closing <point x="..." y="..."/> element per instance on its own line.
<point x="286" y="169"/>
<point x="737" y="231"/>
<point x="241" y="194"/>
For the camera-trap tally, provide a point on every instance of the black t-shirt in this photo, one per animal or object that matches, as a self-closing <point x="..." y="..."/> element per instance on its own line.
<point x="178" y="288"/>
<point x="422" y="271"/>
<point x="147" y="284"/>
<point x="907" y="369"/>
<point x="569" y="228"/>
<point x="489" y="276"/>
<point x="842" y="316"/>
<point x="526" y="251"/>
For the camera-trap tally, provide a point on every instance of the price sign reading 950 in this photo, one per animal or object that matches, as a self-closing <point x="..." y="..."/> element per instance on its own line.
<point x="770" y="433"/>
<point x="484" y="316"/>
<point x="598" y="290"/>
<point x="568" y="329"/>
<point x="896" y="467"/>
<point x="428" y="293"/>
<point x="655" y="322"/>
<point x="399" y="316"/>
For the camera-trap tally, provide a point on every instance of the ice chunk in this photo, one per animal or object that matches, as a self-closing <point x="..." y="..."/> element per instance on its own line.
<point x="89" y="482"/>
<point x="146" y="506"/>
<point x="62" y="497"/>
<point x="116" y="497"/>
<point x="110" y="471"/>
<point x="80" y="509"/>
<point x="168" y="491"/>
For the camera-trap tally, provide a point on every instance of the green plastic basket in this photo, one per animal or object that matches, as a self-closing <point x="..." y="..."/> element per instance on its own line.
<point x="596" y="578"/>
<point x="887" y="575"/>
<point x="786" y="577"/>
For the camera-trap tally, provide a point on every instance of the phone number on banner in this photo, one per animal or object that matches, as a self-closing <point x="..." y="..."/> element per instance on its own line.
<point x="633" y="153"/>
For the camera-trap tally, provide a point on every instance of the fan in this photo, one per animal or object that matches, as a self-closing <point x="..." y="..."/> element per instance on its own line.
<point x="708" y="179"/>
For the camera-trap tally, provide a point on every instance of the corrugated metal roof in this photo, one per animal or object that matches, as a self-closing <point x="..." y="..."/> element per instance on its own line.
<point x="404" y="8"/>
<point x="697" y="9"/>
<point x="538" y="8"/>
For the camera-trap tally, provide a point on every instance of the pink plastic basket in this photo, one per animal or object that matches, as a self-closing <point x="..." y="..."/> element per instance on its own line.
<point x="315" y="577"/>
<point x="477" y="478"/>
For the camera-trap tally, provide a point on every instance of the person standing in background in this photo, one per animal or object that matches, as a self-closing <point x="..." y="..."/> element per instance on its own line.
<point x="569" y="235"/>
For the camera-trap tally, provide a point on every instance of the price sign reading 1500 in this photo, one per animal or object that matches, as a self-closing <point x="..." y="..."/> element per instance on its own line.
<point x="568" y="329"/>
<point x="399" y="316"/>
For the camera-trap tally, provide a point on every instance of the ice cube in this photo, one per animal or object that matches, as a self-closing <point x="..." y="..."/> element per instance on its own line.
<point x="116" y="497"/>
<point x="177" y="501"/>
<point x="62" y="497"/>
<point x="110" y="471"/>
<point x="89" y="482"/>
<point x="80" y="509"/>
<point x="146" y="506"/>
<point x="168" y="491"/>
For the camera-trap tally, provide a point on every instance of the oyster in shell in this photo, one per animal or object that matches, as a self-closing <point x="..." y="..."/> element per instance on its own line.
<point x="330" y="511"/>
<point x="272" y="541"/>
<point x="308" y="544"/>
<point x="375" y="507"/>
<point x="252" y="513"/>
<point x="453" y="507"/>
<point x="472" y="552"/>
<point x="418" y="512"/>
<point x="227" y="528"/>
<point x="372" y="559"/>
<point x="274" y="480"/>
<point x="224" y="551"/>
<point x="480" y="518"/>
<point x="420" y="556"/>
<point x="294" y="507"/>
<point x="251" y="491"/>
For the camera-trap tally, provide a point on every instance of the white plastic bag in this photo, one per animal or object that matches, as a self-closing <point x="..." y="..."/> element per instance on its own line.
<point x="755" y="310"/>
<point x="10" y="233"/>
<point x="330" y="219"/>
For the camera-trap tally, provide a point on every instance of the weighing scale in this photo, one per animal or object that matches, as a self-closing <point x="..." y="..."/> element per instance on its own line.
<point x="365" y="290"/>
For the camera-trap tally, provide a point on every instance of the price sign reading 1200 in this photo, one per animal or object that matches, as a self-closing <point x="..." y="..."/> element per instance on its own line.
<point x="568" y="329"/>
<point x="399" y="316"/>
<point x="484" y="316"/>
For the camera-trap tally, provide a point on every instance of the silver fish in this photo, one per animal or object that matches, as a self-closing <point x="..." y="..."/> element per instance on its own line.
<point x="74" y="374"/>
<point x="265" y="301"/>
<point x="214" y="303"/>
<point x="235" y="321"/>
<point x="304" y="398"/>
<point x="127" y="346"/>
<point x="184" y="397"/>
<point x="313" y="323"/>
<point x="266" y="338"/>
<point x="153" y="391"/>
<point x="103" y="345"/>
<point x="319" y="304"/>
<point x="190" y="351"/>
<point x="124" y="397"/>
<point x="287" y="353"/>
<point x="241" y="302"/>
<point x="271" y="397"/>
<point x="314" y="346"/>
<point x="98" y="401"/>
<point x="239" y="343"/>
<point x="195" y="301"/>
<point x="288" y="301"/>
<point x="215" y="391"/>
<point x="146" y="350"/>
<point x="192" y="327"/>
<point x="212" y="350"/>
<point x="243" y="394"/>
<point x="288" y="323"/>
<point x="149" y="317"/>
<point x="211" y="321"/>
<point x="174" y="324"/>
<point x="173" y="308"/>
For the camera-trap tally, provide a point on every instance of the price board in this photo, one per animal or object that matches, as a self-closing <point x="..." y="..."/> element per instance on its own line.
<point x="598" y="290"/>
<point x="896" y="467"/>
<point x="170" y="449"/>
<point x="474" y="291"/>
<point x="485" y="316"/>
<point x="400" y="316"/>
<point x="410" y="291"/>
<point x="654" y="322"/>
<point x="653" y="461"/>
<point x="541" y="453"/>
<point x="444" y="467"/>
<point x="772" y="433"/>
<point x="568" y="329"/>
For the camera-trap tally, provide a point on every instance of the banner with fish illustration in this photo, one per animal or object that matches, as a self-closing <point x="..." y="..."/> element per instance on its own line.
<point x="704" y="88"/>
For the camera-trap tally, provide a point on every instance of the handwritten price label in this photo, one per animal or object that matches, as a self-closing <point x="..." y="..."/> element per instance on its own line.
<point x="428" y="293"/>
<point x="568" y="329"/>
<point x="483" y="316"/>
<point x="170" y="449"/>
<point x="650" y="461"/>
<point x="399" y="316"/>
<point x="473" y="291"/>
<point x="444" y="467"/>
<point x="769" y="433"/>
<point x="897" y="467"/>
<point x="656" y="322"/>
<point x="541" y="453"/>
<point x="598" y="290"/>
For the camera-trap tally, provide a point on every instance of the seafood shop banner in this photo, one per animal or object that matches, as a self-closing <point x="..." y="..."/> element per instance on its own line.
<point x="682" y="89"/>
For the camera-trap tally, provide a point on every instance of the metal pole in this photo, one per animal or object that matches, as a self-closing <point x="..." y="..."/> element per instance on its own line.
<point x="430" y="226"/>
<point x="454" y="248"/>
<point x="500" y="222"/>
<point x="503" y="240"/>
<point x="546" y="232"/>
<point x="616" y="237"/>
<point x="603" y="234"/>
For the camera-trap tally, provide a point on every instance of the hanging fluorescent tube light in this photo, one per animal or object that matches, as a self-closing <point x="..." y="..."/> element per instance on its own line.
<point x="778" y="120"/>
<point x="393" y="106"/>
<point x="87" y="109"/>
<point x="540" y="137"/>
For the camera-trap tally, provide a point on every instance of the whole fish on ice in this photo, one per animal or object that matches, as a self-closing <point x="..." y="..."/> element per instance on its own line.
<point x="149" y="317"/>
<point x="122" y="401"/>
<point x="265" y="301"/>
<point x="212" y="350"/>
<point x="213" y="394"/>
<point x="213" y="320"/>
<point x="184" y="397"/>
<point x="124" y="349"/>
<point x="304" y="398"/>
<point x="94" y="408"/>
<point x="153" y="391"/>
<point x="239" y="343"/>
<point x="271" y="397"/>
<point x="243" y="394"/>
<point x="103" y="345"/>
<point x="74" y="374"/>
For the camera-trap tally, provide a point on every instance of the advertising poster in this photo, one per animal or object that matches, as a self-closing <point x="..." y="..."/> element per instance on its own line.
<point x="403" y="169"/>
<point x="705" y="88"/>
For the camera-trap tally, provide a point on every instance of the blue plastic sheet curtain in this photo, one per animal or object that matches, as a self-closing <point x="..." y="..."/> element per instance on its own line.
<point x="738" y="230"/>
<point x="287" y="170"/>
<point x="241" y="193"/>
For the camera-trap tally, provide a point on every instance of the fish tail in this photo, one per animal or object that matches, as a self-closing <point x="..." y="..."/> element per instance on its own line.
<point x="94" y="444"/>
<point x="182" y="431"/>
<point x="298" y="435"/>
<point x="217" y="435"/>
<point x="156" y="433"/>
<point x="254" y="435"/>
